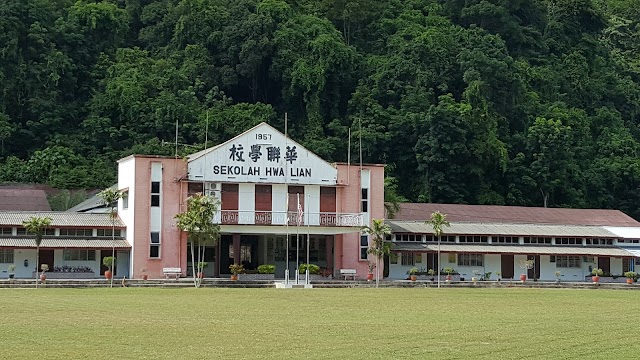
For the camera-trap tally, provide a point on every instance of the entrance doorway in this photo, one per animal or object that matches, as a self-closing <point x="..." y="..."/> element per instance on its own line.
<point x="604" y="263"/>
<point x="534" y="272"/>
<point x="506" y="266"/>
<point x="104" y="254"/>
<point x="46" y="257"/>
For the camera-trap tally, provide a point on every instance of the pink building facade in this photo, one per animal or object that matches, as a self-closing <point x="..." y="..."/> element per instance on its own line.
<point x="278" y="203"/>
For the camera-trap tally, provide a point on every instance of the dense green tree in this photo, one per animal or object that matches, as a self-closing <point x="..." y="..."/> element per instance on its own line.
<point x="519" y="102"/>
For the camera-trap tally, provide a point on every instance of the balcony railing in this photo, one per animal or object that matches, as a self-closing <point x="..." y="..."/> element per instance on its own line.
<point x="237" y="217"/>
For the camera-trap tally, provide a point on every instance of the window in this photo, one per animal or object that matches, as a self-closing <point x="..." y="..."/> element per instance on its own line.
<point x="568" y="241"/>
<point x="473" y="239"/>
<point x="409" y="237"/>
<point x="155" y="193"/>
<point x="364" y="245"/>
<point x="452" y="258"/>
<point x="505" y="240"/>
<point x="154" y="247"/>
<point x="6" y="231"/>
<point x="626" y="264"/>
<point x="107" y="232"/>
<point x="76" y="232"/>
<point x="21" y="231"/>
<point x="568" y="261"/>
<point x="6" y="256"/>
<point x="365" y="200"/>
<point x="603" y="241"/>
<point x="470" y="260"/>
<point x="537" y="240"/>
<point x="125" y="200"/>
<point x="79" y="255"/>
<point x="407" y="259"/>
<point x="245" y="253"/>
<point x="624" y="241"/>
<point x="447" y="238"/>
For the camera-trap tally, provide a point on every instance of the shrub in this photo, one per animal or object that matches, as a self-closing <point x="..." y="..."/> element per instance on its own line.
<point x="267" y="269"/>
<point x="313" y="268"/>
<point x="236" y="269"/>
<point x="597" y="272"/>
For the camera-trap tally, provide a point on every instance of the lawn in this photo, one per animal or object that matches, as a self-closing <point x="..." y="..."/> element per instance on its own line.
<point x="320" y="324"/>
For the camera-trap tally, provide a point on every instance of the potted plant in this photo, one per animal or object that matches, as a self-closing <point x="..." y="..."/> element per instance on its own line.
<point x="597" y="272"/>
<point x="372" y="266"/>
<point x="526" y="265"/>
<point x="474" y="278"/>
<point x="412" y="273"/>
<point x="201" y="265"/>
<point x="108" y="261"/>
<point x="11" y="269"/>
<point x="631" y="276"/>
<point x="498" y="274"/>
<point x="448" y="271"/>
<point x="235" y="270"/>
<point x="313" y="269"/>
<point x="431" y="273"/>
<point x="487" y="276"/>
<point x="144" y="274"/>
<point x="44" y="268"/>
<point x="558" y="274"/>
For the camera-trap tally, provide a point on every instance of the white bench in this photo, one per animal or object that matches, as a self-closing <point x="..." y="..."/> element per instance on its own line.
<point x="345" y="273"/>
<point x="172" y="272"/>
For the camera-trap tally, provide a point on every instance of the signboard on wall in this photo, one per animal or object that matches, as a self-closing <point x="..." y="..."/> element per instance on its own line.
<point x="261" y="155"/>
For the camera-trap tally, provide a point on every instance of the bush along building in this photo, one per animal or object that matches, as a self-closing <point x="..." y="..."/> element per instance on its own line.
<point x="505" y="242"/>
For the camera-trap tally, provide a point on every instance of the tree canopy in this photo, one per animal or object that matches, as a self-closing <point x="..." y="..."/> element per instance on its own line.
<point x="527" y="102"/>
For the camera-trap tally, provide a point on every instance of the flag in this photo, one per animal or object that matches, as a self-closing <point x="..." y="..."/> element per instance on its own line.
<point x="300" y="212"/>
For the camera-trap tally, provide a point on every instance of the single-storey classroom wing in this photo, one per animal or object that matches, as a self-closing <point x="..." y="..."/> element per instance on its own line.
<point x="499" y="239"/>
<point x="73" y="246"/>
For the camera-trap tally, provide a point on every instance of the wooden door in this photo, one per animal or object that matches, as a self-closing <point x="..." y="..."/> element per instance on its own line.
<point x="46" y="257"/>
<point x="263" y="203"/>
<point x="534" y="272"/>
<point x="229" y="203"/>
<point x="506" y="266"/>
<point x="296" y="194"/>
<point x="327" y="206"/>
<point x="604" y="263"/>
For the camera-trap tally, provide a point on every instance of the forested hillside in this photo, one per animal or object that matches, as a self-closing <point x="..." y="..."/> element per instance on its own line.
<point x="519" y="102"/>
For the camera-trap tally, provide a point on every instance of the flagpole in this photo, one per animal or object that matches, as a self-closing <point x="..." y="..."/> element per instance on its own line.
<point x="286" y="217"/>
<point x="298" y="242"/>
<point x="308" y="234"/>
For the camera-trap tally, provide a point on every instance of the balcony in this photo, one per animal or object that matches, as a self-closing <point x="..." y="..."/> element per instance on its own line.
<point x="237" y="217"/>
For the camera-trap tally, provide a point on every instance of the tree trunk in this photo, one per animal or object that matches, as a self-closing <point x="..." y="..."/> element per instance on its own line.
<point x="37" y="261"/>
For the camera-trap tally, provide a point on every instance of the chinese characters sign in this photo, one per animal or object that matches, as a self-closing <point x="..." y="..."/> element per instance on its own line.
<point x="263" y="155"/>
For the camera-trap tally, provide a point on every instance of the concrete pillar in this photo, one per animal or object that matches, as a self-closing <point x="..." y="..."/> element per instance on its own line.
<point x="236" y="248"/>
<point x="216" y="268"/>
<point x="329" y="249"/>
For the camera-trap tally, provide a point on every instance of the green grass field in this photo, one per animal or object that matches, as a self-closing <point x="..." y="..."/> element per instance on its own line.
<point x="319" y="324"/>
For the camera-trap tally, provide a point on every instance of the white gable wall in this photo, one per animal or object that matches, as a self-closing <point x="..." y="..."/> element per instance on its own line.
<point x="261" y="155"/>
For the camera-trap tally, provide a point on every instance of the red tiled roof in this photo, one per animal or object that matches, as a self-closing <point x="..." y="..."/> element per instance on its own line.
<point x="23" y="200"/>
<point x="516" y="214"/>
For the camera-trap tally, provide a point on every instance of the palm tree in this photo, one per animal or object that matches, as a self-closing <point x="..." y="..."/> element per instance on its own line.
<point x="36" y="226"/>
<point x="197" y="222"/>
<point x="438" y="221"/>
<point x="378" y="248"/>
<point x="392" y="199"/>
<point x="110" y="197"/>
